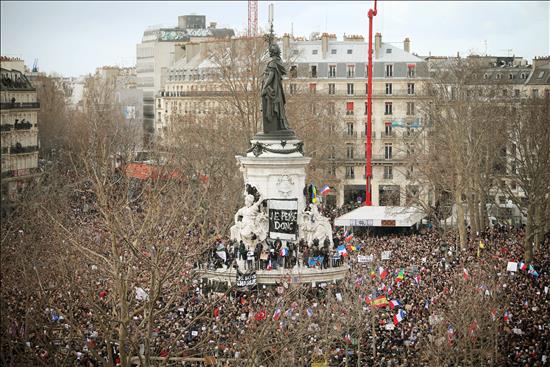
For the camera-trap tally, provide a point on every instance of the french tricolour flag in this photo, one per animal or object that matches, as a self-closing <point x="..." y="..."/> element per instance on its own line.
<point x="394" y="303"/>
<point x="325" y="190"/>
<point x="284" y="251"/>
<point x="400" y="316"/>
<point x="342" y="250"/>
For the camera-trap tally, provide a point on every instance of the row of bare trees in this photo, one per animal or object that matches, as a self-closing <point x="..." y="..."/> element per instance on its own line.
<point x="478" y="142"/>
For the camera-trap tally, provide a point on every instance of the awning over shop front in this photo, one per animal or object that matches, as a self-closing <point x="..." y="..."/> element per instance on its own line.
<point x="380" y="216"/>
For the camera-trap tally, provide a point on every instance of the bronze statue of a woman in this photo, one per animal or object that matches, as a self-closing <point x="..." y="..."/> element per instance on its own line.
<point x="273" y="95"/>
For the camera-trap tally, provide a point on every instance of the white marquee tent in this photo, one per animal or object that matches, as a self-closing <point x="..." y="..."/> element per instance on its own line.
<point x="380" y="216"/>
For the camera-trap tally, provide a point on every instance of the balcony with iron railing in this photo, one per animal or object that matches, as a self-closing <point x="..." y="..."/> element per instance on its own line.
<point x="18" y="149"/>
<point x="19" y="105"/>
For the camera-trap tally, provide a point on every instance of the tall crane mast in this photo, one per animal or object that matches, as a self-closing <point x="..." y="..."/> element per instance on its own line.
<point x="252" y="18"/>
<point x="368" y="135"/>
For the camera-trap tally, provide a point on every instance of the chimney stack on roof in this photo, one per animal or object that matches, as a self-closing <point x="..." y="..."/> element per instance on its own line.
<point x="324" y="45"/>
<point x="377" y="44"/>
<point x="286" y="46"/>
<point x="407" y="45"/>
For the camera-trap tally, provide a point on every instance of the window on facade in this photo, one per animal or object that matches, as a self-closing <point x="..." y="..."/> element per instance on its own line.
<point x="349" y="151"/>
<point x="410" y="108"/>
<point x="410" y="88"/>
<point x="332" y="71"/>
<point x="293" y="88"/>
<point x="388" y="151"/>
<point x="499" y="76"/>
<point x="333" y="51"/>
<point x="313" y="73"/>
<point x="516" y="92"/>
<point x="388" y="129"/>
<point x="389" y="88"/>
<point x="541" y="74"/>
<point x="485" y="76"/>
<point x="366" y="107"/>
<point x="388" y="172"/>
<point x="349" y="108"/>
<point x="535" y="93"/>
<point x="350" y="172"/>
<point x="510" y="76"/>
<point x="350" y="88"/>
<point x="331" y="108"/>
<point x="314" y="52"/>
<point x="523" y="76"/>
<point x="332" y="152"/>
<point x="388" y="108"/>
<point x="389" y="70"/>
<point x="388" y="50"/>
<point x="331" y="88"/>
<point x="350" y="51"/>
<point x="312" y="88"/>
<point x="332" y="170"/>
<point x="504" y="92"/>
<point x="351" y="71"/>
<point x="350" y="129"/>
<point x="366" y="88"/>
<point x="293" y="71"/>
<point x="411" y="70"/>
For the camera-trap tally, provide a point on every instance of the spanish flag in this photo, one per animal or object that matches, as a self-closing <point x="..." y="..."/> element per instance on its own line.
<point x="380" y="301"/>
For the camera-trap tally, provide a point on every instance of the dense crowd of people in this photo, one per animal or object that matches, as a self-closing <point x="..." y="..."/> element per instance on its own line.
<point x="404" y="304"/>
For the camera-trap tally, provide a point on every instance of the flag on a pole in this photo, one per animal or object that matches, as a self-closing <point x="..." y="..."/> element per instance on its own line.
<point x="284" y="251"/>
<point x="383" y="273"/>
<point x="532" y="271"/>
<point x="309" y="311"/>
<point x="522" y="265"/>
<point x="260" y="315"/>
<point x="394" y="303"/>
<point x="400" y="275"/>
<point x="325" y="190"/>
<point x="348" y="236"/>
<point x="380" y="301"/>
<point x="507" y="316"/>
<point x="465" y="274"/>
<point x="417" y="279"/>
<point x="277" y="314"/>
<point x="342" y="250"/>
<point x="400" y="316"/>
<point x="450" y="334"/>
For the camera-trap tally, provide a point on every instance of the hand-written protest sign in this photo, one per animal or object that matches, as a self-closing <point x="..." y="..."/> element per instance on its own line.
<point x="386" y="255"/>
<point x="365" y="259"/>
<point x="512" y="266"/>
<point x="246" y="279"/>
<point x="283" y="219"/>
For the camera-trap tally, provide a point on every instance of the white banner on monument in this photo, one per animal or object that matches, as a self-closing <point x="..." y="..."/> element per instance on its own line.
<point x="283" y="219"/>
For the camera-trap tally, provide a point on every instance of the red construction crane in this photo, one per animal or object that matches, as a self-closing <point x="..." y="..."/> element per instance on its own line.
<point x="368" y="135"/>
<point x="252" y="18"/>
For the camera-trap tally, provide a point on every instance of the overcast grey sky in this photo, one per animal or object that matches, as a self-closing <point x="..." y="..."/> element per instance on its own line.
<point x="73" y="38"/>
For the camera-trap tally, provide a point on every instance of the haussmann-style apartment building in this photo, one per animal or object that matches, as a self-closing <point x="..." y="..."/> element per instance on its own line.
<point x="19" y="129"/>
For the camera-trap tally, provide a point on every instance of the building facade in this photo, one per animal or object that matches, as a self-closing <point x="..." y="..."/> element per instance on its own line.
<point x="160" y="47"/>
<point x="19" y="129"/>
<point x="338" y="71"/>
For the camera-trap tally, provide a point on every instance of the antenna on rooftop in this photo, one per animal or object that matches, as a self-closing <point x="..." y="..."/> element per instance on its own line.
<point x="270" y="19"/>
